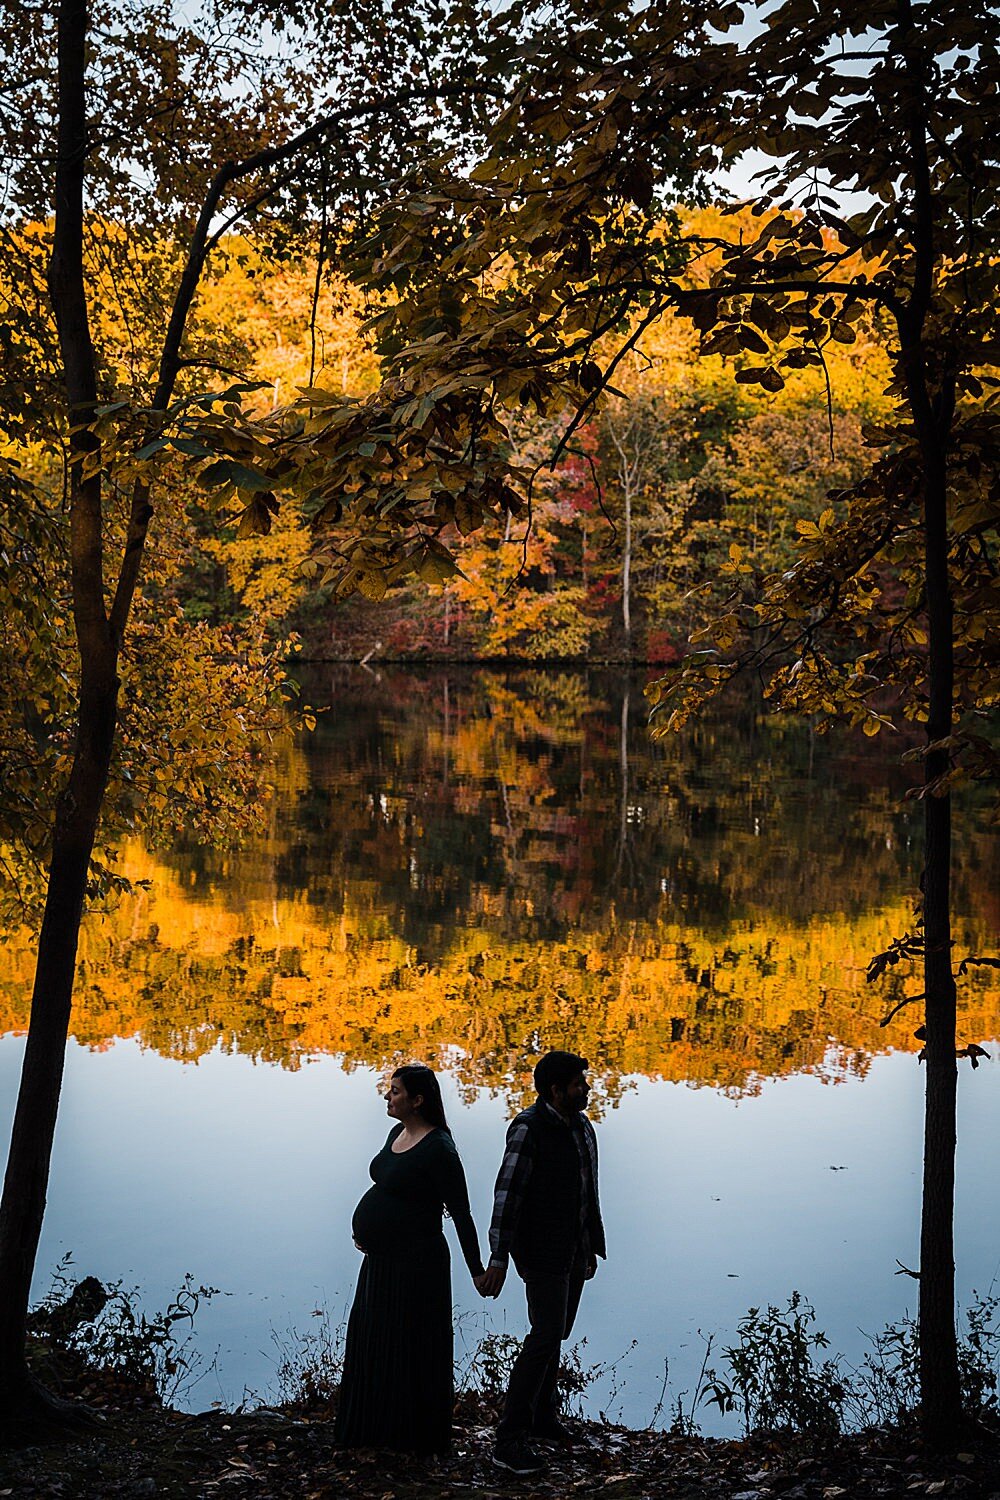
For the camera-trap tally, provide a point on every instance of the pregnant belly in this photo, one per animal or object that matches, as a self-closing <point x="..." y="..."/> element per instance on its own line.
<point x="379" y="1223"/>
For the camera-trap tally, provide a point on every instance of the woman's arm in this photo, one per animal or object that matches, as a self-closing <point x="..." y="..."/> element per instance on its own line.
<point x="450" y="1177"/>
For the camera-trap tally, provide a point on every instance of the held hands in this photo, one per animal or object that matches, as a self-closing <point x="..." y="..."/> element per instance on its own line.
<point x="490" y="1283"/>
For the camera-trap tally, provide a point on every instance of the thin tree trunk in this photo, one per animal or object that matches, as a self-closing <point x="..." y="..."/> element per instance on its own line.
<point x="22" y="1206"/>
<point x="627" y="572"/>
<point x="933" y="405"/>
<point x="629" y="470"/>
<point x="941" y="1398"/>
<point x="623" y="800"/>
<point x="23" y="1406"/>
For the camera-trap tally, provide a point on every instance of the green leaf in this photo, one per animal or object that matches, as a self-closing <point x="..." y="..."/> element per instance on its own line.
<point x="228" y="471"/>
<point x="249" y="479"/>
<point x="148" y="449"/>
<point x="214" y="475"/>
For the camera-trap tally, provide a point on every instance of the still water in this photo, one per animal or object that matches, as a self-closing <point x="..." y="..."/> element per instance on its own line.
<point x="468" y="868"/>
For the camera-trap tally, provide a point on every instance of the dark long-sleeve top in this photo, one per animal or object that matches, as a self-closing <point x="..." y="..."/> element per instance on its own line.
<point x="412" y="1189"/>
<point x="514" y="1179"/>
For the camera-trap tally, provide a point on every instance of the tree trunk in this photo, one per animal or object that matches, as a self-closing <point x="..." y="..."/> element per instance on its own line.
<point x="24" y="1408"/>
<point x="627" y="571"/>
<point x="941" y="1397"/>
<point x="628" y="471"/>
<point x="623" y="800"/>
<point x="932" y="404"/>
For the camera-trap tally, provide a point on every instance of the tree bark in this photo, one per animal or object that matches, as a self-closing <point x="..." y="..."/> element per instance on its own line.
<point x="623" y="800"/>
<point x="24" y="1408"/>
<point x="629" y="469"/>
<point x="933" y="404"/>
<point x="941" y="1396"/>
<point x="627" y="572"/>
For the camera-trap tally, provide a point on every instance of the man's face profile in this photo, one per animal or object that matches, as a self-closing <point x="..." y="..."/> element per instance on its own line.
<point x="572" y="1097"/>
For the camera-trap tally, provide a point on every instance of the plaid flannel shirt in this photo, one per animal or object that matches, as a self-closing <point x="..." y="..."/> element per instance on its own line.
<point x="515" y="1172"/>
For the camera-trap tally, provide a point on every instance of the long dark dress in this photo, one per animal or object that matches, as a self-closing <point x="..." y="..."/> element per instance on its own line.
<point x="397" y="1388"/>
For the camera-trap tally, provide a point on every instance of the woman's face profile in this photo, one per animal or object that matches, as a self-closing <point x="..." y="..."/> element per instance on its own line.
<point x="398" y="1102"/>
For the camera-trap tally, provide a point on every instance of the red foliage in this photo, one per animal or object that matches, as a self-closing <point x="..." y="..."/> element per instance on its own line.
<point x="662" y="649"/>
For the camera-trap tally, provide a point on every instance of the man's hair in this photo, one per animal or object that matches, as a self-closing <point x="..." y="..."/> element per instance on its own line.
<point x="556" y="1069"/>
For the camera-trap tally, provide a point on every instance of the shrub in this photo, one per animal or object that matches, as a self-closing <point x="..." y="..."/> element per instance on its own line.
<point x="310" y="1364"/>
<point x="775" y="1381"/>
<point x="104" y="1331"/>
<point x="885" y="1388"/>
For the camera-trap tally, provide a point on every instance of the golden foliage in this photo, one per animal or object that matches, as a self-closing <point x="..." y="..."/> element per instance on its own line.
<point x="184" y="971"/>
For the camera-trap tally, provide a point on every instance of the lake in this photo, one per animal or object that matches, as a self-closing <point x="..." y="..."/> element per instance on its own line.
<point x="467" y="868"/>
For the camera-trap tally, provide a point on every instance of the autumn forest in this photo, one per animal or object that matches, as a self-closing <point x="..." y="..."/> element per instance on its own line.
<point x="630" y="533"/>
<point x="499" y="520"/>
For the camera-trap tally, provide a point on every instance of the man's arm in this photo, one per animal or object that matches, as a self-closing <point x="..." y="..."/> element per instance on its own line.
<point x="508" y="1196"/>
<point x="598" y="1244"/>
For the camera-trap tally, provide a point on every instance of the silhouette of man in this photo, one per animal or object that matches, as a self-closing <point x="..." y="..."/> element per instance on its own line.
<point x="547" y="1218"/>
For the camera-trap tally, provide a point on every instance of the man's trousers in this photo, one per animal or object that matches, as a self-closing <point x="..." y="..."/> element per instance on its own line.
<point x="553" y="1300"/>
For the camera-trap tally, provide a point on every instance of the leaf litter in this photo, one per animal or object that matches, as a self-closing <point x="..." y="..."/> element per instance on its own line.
<point x="148" y="1451"/>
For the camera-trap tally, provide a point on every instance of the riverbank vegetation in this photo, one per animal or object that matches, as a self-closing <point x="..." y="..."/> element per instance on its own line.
<point x="813" y="1430"/>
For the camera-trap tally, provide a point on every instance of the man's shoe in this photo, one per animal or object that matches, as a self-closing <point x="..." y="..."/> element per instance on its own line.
<point x="553" y="1431"/>
<point x="517" y="1456"/>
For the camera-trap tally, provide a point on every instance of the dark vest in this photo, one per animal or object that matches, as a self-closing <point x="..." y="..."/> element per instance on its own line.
<point x="548" y="1226"/>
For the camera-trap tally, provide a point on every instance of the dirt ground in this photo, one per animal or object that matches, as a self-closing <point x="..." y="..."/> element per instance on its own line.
<point x="142" y="1451"/>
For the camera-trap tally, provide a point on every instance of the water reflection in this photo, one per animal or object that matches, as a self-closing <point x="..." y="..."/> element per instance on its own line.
<point x="467" y="867"/>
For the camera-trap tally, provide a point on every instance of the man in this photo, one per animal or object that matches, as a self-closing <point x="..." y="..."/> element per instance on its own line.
<point x="546" y="1215"/>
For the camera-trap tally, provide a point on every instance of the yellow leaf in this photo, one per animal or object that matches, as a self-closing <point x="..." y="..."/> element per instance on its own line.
<point x="435" y="569"/>
<point x="372" y="586"/>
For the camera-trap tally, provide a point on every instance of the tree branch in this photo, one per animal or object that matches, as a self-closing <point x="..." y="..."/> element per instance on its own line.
<point x="202" y="241"/>
<point x="907" y="1000"/>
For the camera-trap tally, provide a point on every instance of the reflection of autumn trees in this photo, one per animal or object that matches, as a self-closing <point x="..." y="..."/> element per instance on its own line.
<point x="468" y="868"/>
<point x="185" y="970"/>
<point x="438" y="784"/>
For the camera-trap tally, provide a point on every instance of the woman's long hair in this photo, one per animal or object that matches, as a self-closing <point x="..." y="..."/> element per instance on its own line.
<point x="416" y="1078"/>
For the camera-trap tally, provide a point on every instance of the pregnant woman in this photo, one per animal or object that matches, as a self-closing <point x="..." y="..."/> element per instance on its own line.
<point x="397" y="1388"/>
